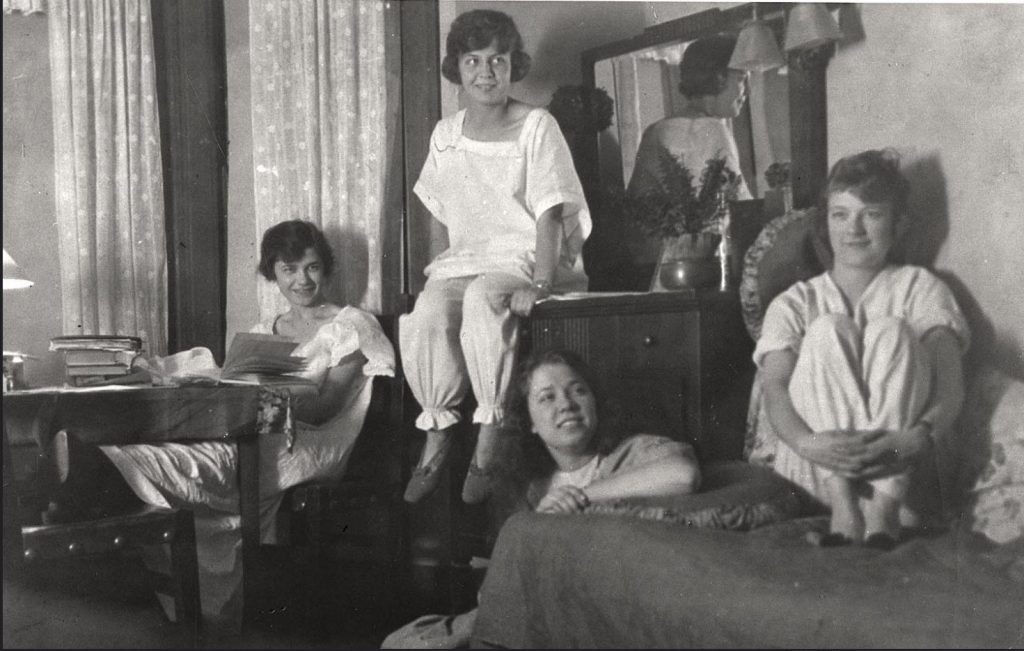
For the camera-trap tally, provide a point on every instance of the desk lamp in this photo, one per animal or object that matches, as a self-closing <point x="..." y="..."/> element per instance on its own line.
<point x="14" y="278"/>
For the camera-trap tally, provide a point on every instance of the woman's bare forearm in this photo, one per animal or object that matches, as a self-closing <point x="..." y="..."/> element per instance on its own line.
<point x="673" y="474"/>
<point x="317" y="407"/>
<point x="549" y="243"/>
<point x="947" y="395"/>
<point x="787" y="423"/>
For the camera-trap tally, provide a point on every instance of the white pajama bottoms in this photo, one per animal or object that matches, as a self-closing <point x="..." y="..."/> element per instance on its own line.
<point x="846" y="378"/>
<point x="461" y="334"/>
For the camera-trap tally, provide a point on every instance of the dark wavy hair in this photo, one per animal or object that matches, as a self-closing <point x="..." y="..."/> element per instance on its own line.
<point x="536" y="460"/>
<point x="872" y="176"/>
<point x="476" y="30"/>
<point x="288" y="241"/>
<point x="705" y="64"/>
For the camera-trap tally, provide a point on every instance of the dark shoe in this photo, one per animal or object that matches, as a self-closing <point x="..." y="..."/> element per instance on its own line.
<point x="425" y="478"/>
<point x="479" y="484"/>
<point x="835" y="539"/>
<point x="882" y="541"/>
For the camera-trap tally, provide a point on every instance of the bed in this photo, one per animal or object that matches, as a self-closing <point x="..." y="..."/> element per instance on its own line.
<point x="614" y="582"/>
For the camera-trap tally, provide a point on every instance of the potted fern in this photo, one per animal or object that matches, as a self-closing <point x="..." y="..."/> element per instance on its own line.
<point x="688" y="220"/>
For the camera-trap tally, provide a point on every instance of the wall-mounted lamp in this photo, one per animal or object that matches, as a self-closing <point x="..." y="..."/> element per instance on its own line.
<point x="811" y="25"/>
<point x="756" y="49"/>
<point x="14" y="277"/>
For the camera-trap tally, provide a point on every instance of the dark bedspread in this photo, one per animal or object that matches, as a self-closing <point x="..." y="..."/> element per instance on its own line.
<point x="606" y="581"/>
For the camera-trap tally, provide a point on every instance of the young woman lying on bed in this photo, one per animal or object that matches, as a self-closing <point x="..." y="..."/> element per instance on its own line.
<point x="571" y="457"/>
<point x="862" y="364"/>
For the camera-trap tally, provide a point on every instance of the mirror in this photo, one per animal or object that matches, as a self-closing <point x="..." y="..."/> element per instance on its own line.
<point x="783" y="120"/>
<point x="644" y="86"/>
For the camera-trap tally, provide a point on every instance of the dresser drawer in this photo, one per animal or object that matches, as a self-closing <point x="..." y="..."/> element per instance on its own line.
<point x="653" y="341"/>
<point x="624" y="343"/>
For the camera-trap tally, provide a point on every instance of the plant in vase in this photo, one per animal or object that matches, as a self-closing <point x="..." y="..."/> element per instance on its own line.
<point x="581" y="109"/>
<point x="688" y="220"/>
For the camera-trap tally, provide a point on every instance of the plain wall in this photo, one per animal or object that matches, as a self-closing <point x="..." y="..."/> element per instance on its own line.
<point x="242" y="311"/>
<point x="31" y="316"/>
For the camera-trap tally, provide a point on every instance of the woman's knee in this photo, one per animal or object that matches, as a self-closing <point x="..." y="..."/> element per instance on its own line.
<point x="891" y="332"/>
<point x="434" y="309"/>
<point x="490" y="294"/>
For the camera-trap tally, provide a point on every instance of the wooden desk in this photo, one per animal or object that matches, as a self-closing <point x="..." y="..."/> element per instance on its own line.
<point x="118" y="416"/>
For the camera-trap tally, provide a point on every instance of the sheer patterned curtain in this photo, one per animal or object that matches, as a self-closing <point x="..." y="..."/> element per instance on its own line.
<point x="108" y="170"/>
<point x="319" y="137"/>
<point x="24" y="6"/>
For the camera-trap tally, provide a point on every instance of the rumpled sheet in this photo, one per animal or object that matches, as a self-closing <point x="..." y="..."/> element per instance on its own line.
<point x="612" y="582"/>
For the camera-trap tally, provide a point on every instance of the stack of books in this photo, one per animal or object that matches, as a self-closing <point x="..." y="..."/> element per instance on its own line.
<point x="91" y="359"/>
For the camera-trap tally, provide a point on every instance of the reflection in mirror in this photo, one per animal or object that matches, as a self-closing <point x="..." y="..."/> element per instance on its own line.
<point x="644" y="85"/>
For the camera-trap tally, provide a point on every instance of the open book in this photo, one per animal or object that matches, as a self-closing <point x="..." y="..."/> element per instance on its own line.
<point x="254" y="355"/>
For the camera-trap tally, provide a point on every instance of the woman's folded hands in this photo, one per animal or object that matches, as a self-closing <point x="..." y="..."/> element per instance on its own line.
<point x="865" y="454"/>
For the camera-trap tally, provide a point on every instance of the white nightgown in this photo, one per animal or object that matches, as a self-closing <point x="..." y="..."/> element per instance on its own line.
<point x="489" y="195"/>
<point x="859" y="367"/>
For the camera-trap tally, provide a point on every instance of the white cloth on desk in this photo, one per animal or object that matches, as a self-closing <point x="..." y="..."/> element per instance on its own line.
<point x="203" y="476"/>
<point x="489" y="196"/>
<point x="860" y="366"/>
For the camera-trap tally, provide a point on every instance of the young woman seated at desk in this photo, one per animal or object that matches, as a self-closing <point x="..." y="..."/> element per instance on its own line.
<point x="344" y="348"/>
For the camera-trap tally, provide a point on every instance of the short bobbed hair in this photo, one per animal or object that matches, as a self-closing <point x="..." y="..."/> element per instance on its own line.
<point x="288" y="241"/>
<point x="872" y="176"/>
<point x="705" y="64"/>
<point x="538" y="461"/>
<point x="476" y="30"/>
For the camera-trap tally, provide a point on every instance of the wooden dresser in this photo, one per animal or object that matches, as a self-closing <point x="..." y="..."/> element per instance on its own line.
<point x="673" y="363"/>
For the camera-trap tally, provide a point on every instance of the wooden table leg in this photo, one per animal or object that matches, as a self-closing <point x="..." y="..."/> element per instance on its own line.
<point x="249" y="508"/>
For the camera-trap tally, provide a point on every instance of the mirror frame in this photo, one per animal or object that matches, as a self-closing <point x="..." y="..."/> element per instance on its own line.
<point x="808" y="111"/>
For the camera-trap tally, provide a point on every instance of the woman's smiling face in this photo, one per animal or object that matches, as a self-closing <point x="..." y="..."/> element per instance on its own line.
<point x="563" y="410"/>
<point x="486" y="74"/>
<point x="301" y="281"/>
<point x="861" y="233"/>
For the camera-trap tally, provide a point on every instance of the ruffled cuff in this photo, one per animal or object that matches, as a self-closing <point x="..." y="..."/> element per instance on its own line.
<point x="437" y="419"/>
<point x="489" y="415"/>
<point x="378" y="367"/>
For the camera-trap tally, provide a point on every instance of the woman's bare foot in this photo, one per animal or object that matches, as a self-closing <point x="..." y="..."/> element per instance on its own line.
<point x="847" y="520"/>
<point x="882" y="520"/>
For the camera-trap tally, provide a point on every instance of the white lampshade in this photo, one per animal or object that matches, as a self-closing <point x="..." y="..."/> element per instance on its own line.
<point x="811" y="25"/>
<point x="14" y="277"/>
<point x="756" y="49"/>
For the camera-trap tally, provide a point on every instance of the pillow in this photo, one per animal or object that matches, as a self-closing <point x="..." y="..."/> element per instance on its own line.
<point x="993" y="417"/>
<point x="734" y="495"/>
<point x="783" y="253"/>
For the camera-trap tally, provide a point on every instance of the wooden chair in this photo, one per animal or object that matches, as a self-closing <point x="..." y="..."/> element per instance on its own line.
<point x="356" y="519"/>
<point x="146" y="525"/>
